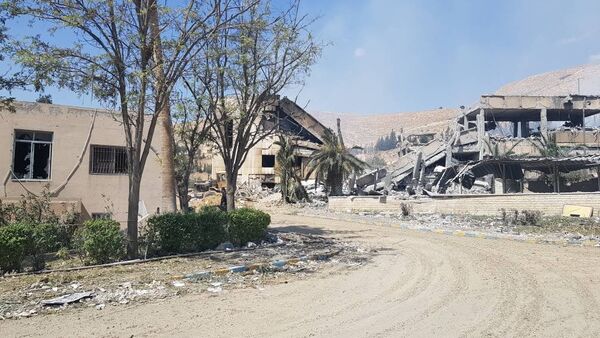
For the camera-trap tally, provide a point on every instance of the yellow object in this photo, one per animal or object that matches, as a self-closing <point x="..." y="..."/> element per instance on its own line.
<point x="577" y="211"/>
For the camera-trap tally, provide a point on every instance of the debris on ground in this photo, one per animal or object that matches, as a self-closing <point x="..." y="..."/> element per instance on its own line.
<point x="67" y="299"/>
<point x="104" y="288"/>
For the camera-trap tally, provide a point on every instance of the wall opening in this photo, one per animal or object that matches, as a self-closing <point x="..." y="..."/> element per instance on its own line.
<point x="32" y="155"/>
<point x="268" y="161"/>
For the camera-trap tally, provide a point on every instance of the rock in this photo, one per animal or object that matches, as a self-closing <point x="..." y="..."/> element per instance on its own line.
<point x="178" y="284"/>
<point x="225" y="246"/>
<point x="100" y="306"/>
<point x="215" y="289"/>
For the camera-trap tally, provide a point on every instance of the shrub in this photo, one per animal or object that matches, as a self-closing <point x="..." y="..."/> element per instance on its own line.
<point x="100" y="241"/>
<point x="13" y="246"/>
<point x="531" y="217"/>
<point x="18" y="240"/>
<point x="406" y="209"/>
<point x="191" y="232"/>
<point x="247" y="225"/>
<point x="42" y="238"/>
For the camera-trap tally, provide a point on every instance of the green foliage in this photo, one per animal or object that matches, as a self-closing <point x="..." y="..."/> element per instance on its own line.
<point x="247" y="225"/>
<point x="191" y="232"/>
<point x="289" y="176"/>
<point x="18" y="240"/>
<point x="548" y="147"/>
<point x="387" y="142"/>
<point x="29" y="209"/>
<point x="333" y="163"/>
<point x="13" y="246"/>
<point x="100" y="241"/>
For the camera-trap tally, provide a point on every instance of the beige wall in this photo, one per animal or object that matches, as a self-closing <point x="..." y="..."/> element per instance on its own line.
<point x="549" y="204"/>
<point x="70" y="127"/>
<point x="253" y="165"/>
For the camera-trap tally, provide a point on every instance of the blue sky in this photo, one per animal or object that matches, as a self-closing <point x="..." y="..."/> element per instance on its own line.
<point x="405" y="55"/>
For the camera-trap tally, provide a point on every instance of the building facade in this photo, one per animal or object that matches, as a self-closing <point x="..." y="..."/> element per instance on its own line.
<point x="76" y="154"/>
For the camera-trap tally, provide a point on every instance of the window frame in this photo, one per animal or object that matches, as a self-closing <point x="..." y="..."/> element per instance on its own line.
<point x="91" y="161"/>
<point x="31" y="161"/>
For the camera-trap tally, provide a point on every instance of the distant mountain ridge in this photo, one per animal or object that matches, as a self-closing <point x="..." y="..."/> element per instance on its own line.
<point x="364" y="130"/>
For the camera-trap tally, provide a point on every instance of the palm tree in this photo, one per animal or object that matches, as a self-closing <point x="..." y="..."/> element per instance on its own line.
<point x="291" y="185"/>
<point x="548" y="147"/>
<point x="334" y="163"/>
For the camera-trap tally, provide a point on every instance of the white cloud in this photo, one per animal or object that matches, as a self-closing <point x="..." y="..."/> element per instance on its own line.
<point x="360" y="52"/>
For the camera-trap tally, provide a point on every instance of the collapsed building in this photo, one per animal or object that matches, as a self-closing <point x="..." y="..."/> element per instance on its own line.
<point x="288" y="119"/>
<point x="507" y="144"/>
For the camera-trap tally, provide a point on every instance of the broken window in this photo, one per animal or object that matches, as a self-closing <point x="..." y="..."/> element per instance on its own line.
<point x="268" y="161"/>
<point x="108" y="160"/>
<point x="32" y="155"/>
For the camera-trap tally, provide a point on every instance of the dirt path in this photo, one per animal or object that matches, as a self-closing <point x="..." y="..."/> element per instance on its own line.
<point x="419" y="284"/>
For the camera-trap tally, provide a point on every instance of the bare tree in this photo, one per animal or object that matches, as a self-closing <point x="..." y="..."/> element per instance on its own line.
<point x="191" y="128"/>
<point x="247" y="65"/>
<point x="114" y="54"/>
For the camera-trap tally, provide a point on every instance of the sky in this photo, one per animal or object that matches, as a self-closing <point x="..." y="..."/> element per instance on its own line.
<point x="408" y="55"/>
<point x="387" y="56"/>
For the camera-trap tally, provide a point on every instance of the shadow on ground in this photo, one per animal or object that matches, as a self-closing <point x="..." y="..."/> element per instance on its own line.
<point x="313" y="230"/>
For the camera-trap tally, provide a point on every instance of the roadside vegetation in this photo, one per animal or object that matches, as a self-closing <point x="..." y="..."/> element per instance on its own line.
<point x="32" y="234"/>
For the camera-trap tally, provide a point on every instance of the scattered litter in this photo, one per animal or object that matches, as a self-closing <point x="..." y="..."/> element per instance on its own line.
<point x="178" y="284"/>
<point x="225" y="246"/>
<point x="67" y="299"/>
<point x="215" y="289"/>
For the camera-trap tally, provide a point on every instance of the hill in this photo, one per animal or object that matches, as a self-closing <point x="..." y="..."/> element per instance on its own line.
<point x="583" y="79"/>
<point x="364" y="130"/>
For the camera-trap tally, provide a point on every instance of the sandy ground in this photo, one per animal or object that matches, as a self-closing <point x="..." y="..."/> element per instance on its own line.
<point x="419" y="284"/>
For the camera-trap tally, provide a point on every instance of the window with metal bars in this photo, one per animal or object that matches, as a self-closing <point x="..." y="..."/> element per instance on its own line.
<point x="32" y="155"/>
<point x="110" y="160"/>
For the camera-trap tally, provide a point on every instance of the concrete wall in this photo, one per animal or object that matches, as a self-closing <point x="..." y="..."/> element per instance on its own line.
<point x="70" y="127"/>
<point x="549" y="204"/>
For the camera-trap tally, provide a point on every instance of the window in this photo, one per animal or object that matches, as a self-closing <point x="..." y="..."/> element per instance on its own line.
<point x="108" y="160"/>
<point x="32" y="155"/>
<point x="268" y="161"/>
<point x="101" y="215"/>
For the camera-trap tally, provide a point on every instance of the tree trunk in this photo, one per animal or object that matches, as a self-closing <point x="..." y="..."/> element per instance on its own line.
<point x="183" y="187"/>
<point x="167" y="147"/>
<point x="231" y="188"/>
<point x="168" y="164"/>
<point x="132" y="215"/>
<point x="284" y="190"/>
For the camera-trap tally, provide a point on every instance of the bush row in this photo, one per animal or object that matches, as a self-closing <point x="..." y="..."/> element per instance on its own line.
<point x="180" y="233"/>
<point x="98" y="241"/>
<point x="102" y="241"/>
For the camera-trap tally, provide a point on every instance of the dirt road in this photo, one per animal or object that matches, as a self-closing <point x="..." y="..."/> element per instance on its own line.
<point x="419" y="284"/>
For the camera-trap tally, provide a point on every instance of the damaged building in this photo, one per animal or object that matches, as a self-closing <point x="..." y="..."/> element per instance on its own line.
<point x="288" y="119"/>
<point x="507" y="144"/>
<point x="75" y="154"/>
